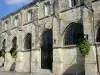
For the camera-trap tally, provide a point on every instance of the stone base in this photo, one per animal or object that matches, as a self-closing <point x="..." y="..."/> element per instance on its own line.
<point x="8" y="62"/>
<point x="91" y="62"/>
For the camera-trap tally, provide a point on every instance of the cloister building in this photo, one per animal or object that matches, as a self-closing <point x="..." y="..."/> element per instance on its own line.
<point x="45" y="32"/>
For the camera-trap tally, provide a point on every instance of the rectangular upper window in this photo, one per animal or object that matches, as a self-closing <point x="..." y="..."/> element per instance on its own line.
<point x="6" y="24"/>
<point x="30" y="18"/>
<point x="72" y="3"/>
<point x="47" y="9"/>
<point x="16" y="21"/>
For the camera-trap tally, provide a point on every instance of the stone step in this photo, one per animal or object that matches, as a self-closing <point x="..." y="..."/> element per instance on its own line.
<point x="45" y="72"/>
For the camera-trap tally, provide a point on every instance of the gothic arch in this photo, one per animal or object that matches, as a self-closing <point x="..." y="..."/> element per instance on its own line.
<point x="14" y="43"/>
<point x="27" y="41"/>
<point x="72" y="33"/>
<point x="46" y="49"/>
<point x="42" y="34"/>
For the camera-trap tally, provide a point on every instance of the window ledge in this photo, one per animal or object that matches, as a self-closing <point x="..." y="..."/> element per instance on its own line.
<point x="67" y="46"/>
<point x="4" y="31"/>
<point x="97" y="43"/>
<point x="28" y="23"/>
<point x="14" y="27"/>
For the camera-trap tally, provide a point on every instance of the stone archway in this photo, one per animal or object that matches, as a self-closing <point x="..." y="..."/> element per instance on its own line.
<point x="27" y="43"/>
<point x="73" y="33"/>
<point x="14" y="43"/>
<point x="47" y="50"/>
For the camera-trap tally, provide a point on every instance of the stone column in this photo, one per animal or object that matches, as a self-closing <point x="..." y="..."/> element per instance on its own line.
<point x="8" y="58"/>
<point x="19" y="62"/>
<point x="57" y="62"/>
<point x="8" y="61"/>
<point x="90" y="60"/>
<point x="57" y="52"/>
<point x="20" y="55"/>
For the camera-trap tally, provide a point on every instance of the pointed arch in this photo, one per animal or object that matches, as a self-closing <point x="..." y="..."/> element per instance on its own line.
<point x="14" y="43"/>
<point x="27" y="42"/>
<point x="72" y="33"/>
<point x="47" y="49"/>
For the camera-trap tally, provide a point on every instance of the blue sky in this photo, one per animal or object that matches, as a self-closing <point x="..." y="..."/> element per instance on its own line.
<point x="8" y="6"/>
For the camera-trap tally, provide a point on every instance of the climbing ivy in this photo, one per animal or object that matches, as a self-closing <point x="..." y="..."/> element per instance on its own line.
<point x="84" y="46"/>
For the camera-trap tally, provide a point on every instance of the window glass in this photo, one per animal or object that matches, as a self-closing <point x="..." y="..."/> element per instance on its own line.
<point x="29" y="16"/>
<point x="47" y="9"/>
<point x="73" y="33"/>
<point x="27" y="44"/>
<point x="72" y="3"/>
<point x="16" y="20"/>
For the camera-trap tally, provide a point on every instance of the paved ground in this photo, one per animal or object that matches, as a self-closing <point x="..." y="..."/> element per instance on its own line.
<point x="13" y="73"/>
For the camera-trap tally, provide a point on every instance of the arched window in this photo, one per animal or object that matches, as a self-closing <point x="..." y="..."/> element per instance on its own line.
<point x="73" y="33"/>
<point x="98" y="35"/>
<point x="27" y="44"/>
<point x="3" y="44"/>
<point x="14" y="43"/>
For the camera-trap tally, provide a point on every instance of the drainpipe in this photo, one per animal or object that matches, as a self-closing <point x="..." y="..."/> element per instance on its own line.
<point x="30" y="60"/>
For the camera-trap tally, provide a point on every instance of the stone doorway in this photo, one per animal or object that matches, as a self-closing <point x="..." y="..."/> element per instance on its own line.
<point x="47" y="50"/>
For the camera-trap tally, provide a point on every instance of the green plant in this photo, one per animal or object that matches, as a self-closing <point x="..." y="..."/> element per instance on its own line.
<point x="2" y="53"/>
<point x="13" y="52"/>
<point x="84" y="46"/>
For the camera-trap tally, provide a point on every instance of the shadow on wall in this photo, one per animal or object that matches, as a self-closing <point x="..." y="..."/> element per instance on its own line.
<point x="77" y="68"/>
<point x="13" y="67"/>
<point x="2" y="65"/>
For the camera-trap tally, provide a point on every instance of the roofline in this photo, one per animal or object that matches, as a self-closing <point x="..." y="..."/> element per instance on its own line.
<point x="24" y="7"/>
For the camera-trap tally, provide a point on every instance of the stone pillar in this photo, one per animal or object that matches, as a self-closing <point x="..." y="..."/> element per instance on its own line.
<point x="19" y="62"/>
<point x="91" y="62"/>
<point x="1" y="61"/>
<point x="98" y="54"/>
<point x="57" y="62"/>
<point x="8" y="58"/>
<point x="8" y="61"/>
<point x="35" y="61"/>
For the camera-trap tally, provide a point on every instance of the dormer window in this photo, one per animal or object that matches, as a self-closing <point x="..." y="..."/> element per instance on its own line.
<point x="6" y="24"/>
<point x="72" y="3"/>
<point x="47" y="9"/>
<point x="16" y="20"/>
<point x="29" y="15"/>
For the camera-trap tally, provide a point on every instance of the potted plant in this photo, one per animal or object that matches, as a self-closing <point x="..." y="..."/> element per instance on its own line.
<point x="84" y="46"/>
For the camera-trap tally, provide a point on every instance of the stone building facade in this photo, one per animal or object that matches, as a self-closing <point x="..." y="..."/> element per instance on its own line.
<point x="44" y="33"/>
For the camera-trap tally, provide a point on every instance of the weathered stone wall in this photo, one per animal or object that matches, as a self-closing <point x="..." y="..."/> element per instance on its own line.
<point x="66" y="59"/>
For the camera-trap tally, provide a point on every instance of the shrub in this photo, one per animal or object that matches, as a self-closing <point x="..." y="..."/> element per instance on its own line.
<point x="84" y="46"/>
<point x="3" y="53"/>
<point x="13" y="52"/>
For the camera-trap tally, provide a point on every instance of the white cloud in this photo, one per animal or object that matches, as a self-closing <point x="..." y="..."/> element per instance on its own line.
<point x="11" y="2"/>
